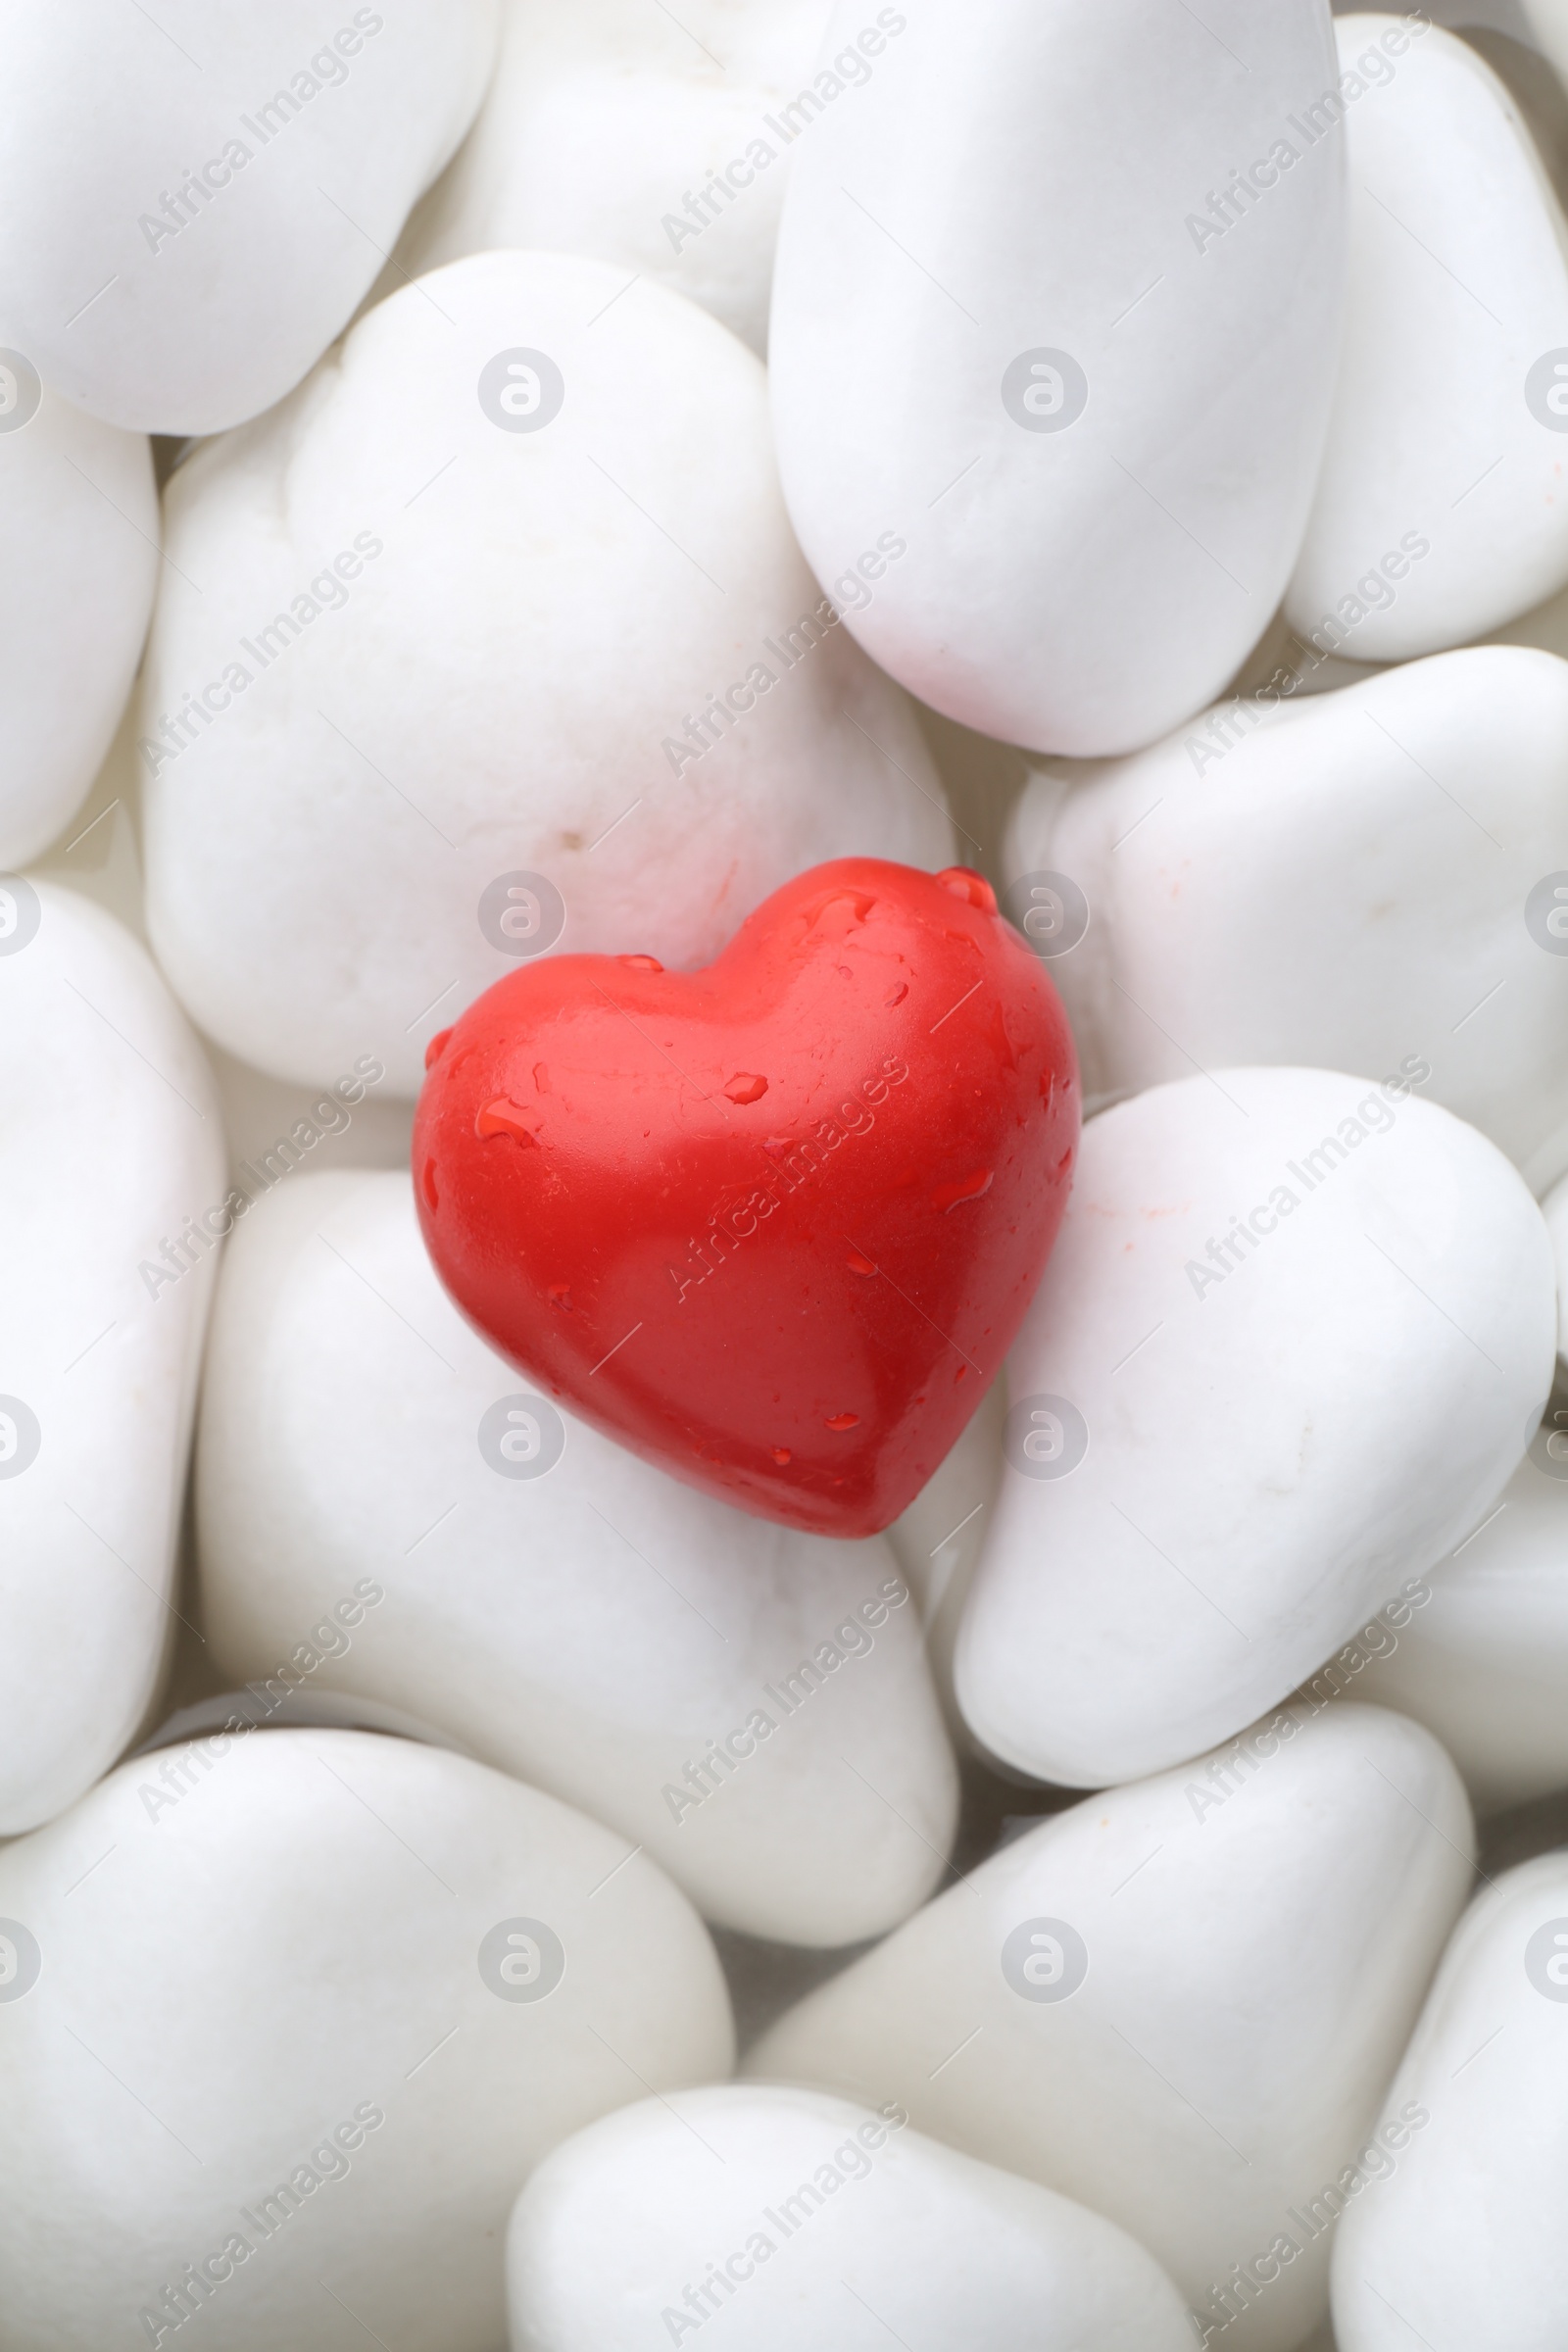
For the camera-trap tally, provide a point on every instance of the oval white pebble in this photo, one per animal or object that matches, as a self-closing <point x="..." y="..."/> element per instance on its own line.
<point x="1341" y="882"/>
<point x="247" y="172"/>
<point x="1439" y="511"/>
<point x="111" y="1142"/>
<point x="316" y="2003"/>
<point x="1177" y="2002"/>
<point x="655" y="141"/>
<point x="749" y="1705"/>
<point x="1461" y="2241"/>
<point x="79" y="511"/>
<point x="1270" y="1287"/>
<point x="439" y="704"/>
<point x="1087" y="414"/>
<point x="1483" y="1661"/>
<point x="800" y="2217"/>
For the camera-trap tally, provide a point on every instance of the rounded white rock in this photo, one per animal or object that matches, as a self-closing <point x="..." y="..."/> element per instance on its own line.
<point x="465" y="602"/>
<point x="661" y="146"/>
<point x="79" y="511"/>
<point x="330" y="1996"/>
<point x="617" y="2224"/>
<point x="1178" y="2002"/>
<point x="110" y="1143"/>
<point x="1461" y="2240"/>
<point x="749" y="1705"/>
<point x="1440" y="512"/>
<point x="1482" y="1657"/>
<point x="1270" y="1286"/>
<point x="248" y="168"/>
<point x="1338" y="882"/>
<point x="1085" y="412"/>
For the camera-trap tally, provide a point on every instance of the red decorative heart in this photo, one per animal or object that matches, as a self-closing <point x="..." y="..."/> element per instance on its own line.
<point x="771" y="1225"/>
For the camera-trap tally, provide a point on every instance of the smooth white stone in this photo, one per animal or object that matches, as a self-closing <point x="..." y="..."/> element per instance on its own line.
<point x="536" y="615"/>
<point x="593" y="1629"/>
<point x="192" y="318"/>
<point x="1463" y="2244"/>
<point x="78" y="515"/>
<point x="615" y="2239"/>
<point x="111" y="1139"/>
<point x="920" y="271"/>
<point x="1258" y="1476"/>
<point x="1458" y="297"/>
<point x="1484" y="1663"/>
<point x="1555" y="1208"/>
<point x="1547" y="20"/>
<point x="1254" y="1962"/>
<point x="1351" y="882"/>
<point x="315" y="1924"/>
<point x="605" y="119"/>
<point x="937" y="1539"/>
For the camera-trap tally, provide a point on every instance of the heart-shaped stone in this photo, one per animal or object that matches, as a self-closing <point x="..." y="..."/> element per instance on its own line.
<point x="112" y="1197"/>
<point x="1096" y="423"/>
<point x="249" y="168"/>
<point x="1438" y="513"/>
<point x="1332" y="881"/>
<point x="1178" y="2002"/>
<point x="1459" y="2238"/>
<point x="315" y="2002"/>
<point x="1270" y="1284"/>
<point x="772" y="1225"/>
<point x="745" y="1703"/>
<point x="495" y="638"/>
<point x="802" y="2219"/>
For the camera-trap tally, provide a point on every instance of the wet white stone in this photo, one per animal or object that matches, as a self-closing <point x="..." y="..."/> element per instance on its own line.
<point x="1342" y="881"/>
<point x="1178" y="2002"/>
<point x="1084" y="416"/>
<point x="78" y="514"/>
<point x="1219" y="1452"/>
<point x="660" y="145"/>
<point x="558" y="1606"/>
<point x="443" y="657"/>
<point x="193" y="202"/>
<point x="1463" y="2241"/>
<point x="331" y="1995"/>
<point x="1439" y="511"/>
<point x="111" y="1140"/>
<point x="1484" y="1662"/>
<point x="820" y="2221"/>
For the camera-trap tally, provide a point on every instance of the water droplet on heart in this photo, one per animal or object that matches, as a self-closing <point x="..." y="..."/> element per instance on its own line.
<point x="745" y="1087"/>
<point x="844" y="971"/>
<point x="965" y="883"/>
<point x="843" y="1421"/>
<point x="967" y="1188"/>
<point x="858" y="1264"/>
<point x="503" y="1117"/>
<point x="436" y="1046"/>
<point x="560" y="1294"/>
<point x="541" y="1078"/>
<point x="640" y="963"/>
<point x="781" y="1456"/>
<point x="427" y="1181"/>
<point x="899" y="993"/>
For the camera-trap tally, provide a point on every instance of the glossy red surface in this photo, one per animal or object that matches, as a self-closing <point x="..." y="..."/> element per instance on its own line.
<point x="772" y="1225"/>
